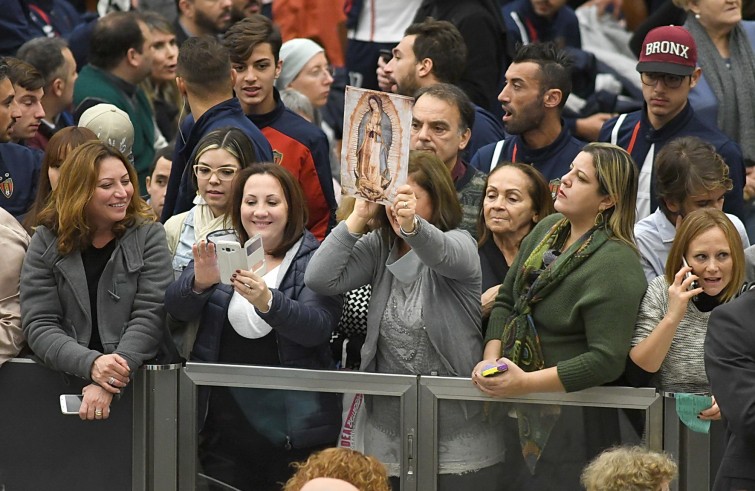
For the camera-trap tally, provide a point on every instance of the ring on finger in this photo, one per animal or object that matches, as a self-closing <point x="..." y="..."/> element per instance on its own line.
<point x="111" y="381"/>
<point x="98" y="412"/>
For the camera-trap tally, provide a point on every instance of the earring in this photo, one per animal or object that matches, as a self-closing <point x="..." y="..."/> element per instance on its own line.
<point x="599" y="219"/>
<point x="697" y="16"/>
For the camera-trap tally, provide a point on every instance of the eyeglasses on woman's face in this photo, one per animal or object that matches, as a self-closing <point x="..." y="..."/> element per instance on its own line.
<point x="225" y="173"/>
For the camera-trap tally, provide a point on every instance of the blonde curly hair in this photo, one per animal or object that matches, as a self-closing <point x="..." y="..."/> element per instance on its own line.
<point x="629" y="469"/>
<point x="365" y="472"/>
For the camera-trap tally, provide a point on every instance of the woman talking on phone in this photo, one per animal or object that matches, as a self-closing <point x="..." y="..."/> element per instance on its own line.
<point x="97" y="244"/>
<point x="704" y="269"/>
<point x="249" y="436"/>
<point x="562" y="321"/>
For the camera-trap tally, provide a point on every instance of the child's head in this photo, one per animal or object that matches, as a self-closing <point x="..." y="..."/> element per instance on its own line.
<point x="629" y="469"/>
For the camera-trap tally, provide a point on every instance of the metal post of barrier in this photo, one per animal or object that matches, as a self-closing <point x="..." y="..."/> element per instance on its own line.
<point x="187" y="432"/>
<point x="155" y="427"/>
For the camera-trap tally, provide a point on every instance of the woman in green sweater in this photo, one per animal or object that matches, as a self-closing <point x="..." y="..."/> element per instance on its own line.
<point x="565" y="314"/>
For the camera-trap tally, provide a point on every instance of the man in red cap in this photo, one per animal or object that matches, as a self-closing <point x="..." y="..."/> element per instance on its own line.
<point x="668" y="70"/>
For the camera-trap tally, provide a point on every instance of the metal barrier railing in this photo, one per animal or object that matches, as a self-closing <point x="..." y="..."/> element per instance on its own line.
<point x="156" y="421"/>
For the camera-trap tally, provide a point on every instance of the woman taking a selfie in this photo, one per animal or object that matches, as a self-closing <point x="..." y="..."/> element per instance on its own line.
<point x="562" y="321"/>
<point x="250" y="436"/>
<point x="96" y="245"/>
<point x="704" y="269"/>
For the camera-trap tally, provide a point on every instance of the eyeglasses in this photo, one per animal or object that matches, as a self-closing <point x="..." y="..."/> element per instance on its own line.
<point x="222" y="173"/>
<point x="669" y="80"/>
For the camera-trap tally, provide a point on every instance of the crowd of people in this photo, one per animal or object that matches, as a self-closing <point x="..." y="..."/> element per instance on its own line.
<point x="574" y="215"/>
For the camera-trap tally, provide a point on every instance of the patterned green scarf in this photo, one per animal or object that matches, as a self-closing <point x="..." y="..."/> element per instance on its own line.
<point x="521" y="343"/>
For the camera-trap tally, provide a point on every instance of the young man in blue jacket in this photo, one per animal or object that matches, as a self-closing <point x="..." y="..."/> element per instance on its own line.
<point x="205" y="78"/>
<point x="668" y="70"/>
<point x="298" y="145"/>
<point x="19" y="166"/>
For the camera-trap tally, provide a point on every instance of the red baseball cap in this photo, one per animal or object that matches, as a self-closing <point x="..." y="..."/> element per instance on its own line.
<point x="668" y="49"/>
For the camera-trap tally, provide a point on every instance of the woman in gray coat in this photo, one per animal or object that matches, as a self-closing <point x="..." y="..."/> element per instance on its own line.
<point x="96" y="245"/>
<point x="424" y="314"/>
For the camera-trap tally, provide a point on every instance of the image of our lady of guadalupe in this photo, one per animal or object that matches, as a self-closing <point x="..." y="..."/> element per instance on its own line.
<point x="373" y="176"/>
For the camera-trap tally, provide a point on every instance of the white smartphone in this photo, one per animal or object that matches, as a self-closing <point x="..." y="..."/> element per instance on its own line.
<point x="231" y="256"/>
<point x="255" y="255"/>
<point x="70" y="403"/>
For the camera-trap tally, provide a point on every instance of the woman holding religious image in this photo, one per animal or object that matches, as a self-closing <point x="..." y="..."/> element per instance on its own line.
<point x="704" y="270"/>
<point x="96" y="244"/>
<point x="423" y="316"/>
<point x="249" y="436"/>
<point x="564" y="317"/>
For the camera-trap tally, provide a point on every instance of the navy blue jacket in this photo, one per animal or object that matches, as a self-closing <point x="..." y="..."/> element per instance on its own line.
<point x="15" y="27"/>
<point x="486" y="129"/>
<point x="19" y="175"/>
<point x="303" y="322"/>
<point x="303" y="149"/>
<point x="524" y="26"/>
<point x="552" y="161"/>
<point x="686" y="123"/>
<point x="180" y="194"/>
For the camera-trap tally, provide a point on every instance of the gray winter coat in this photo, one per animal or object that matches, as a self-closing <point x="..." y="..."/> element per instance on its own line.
<point x="55" y="310"/>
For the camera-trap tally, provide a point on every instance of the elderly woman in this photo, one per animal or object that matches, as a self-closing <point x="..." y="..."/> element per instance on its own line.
<point x="516" y="199"/>
<point x="97" y="245"/>
<point x="424" y="312"/>
<point x="725" y="45"/>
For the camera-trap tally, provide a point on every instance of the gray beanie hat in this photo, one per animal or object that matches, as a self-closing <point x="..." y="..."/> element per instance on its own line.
<point x="295" y="53"/>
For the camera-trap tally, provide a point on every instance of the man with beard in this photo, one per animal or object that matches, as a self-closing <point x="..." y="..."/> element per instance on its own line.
<point x="442" y="120"/>
<point x="202" y="17"/>
<point x="19" y="166"/>
<point x="434" y="51"/>
<point x="538" y="82"/>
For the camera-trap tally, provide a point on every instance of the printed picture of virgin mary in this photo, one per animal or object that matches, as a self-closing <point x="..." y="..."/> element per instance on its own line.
<point x="374" y="138"/>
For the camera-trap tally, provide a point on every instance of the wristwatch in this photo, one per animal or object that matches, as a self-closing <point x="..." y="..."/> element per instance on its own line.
<point x="414" y="232"/>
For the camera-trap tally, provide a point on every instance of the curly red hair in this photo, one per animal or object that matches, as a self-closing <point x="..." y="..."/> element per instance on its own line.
<point x="365" y="472"/>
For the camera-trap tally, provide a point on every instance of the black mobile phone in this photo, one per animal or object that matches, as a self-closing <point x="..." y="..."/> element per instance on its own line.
<point x="386" y="55"/>
<point x="694" y="285"/>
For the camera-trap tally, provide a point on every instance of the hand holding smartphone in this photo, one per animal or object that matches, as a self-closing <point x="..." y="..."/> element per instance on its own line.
<point x="70" y="403"/>
<point x="231" y="256"/>
<point x="694" y="285"/>
<point x="495" y="370"/>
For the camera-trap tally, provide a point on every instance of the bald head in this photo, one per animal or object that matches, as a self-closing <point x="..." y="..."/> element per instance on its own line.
<point x="328" y="484"/>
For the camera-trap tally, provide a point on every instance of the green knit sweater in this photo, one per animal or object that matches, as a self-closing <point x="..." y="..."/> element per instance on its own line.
<point x="96" y="84"/>
<point x="586" y="323"/>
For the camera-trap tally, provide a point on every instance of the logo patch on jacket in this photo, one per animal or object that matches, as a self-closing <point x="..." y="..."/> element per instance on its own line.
<point x="6" y="185"/>
<point x="277" y="157"/>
